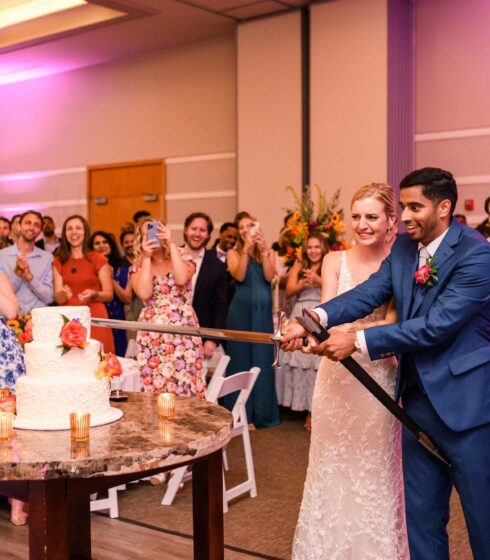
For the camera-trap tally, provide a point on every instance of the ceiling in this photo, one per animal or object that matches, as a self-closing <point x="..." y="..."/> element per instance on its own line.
<point x="145" y="25"/>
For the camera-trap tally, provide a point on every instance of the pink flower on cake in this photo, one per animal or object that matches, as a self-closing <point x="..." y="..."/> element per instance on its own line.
<point x="426" y="275"/>
<point x="73" y="335"/>
<point x="109" y="367"/>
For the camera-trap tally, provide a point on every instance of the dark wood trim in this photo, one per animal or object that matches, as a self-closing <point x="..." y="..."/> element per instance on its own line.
<point x="305" y="97"/>
<point x="401" y="94"/>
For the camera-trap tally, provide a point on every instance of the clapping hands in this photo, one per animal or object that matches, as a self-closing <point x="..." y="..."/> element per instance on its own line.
<point x="311" y="278"/>
<point x="22" y="268"/>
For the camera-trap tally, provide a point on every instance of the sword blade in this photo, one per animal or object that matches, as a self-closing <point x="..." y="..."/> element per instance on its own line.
<point x="203" y="332"/>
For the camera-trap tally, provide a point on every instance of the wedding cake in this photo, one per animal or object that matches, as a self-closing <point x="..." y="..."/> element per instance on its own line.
<point x="61" y="378"/>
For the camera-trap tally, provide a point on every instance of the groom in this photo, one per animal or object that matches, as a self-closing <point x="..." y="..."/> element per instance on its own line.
<point x="442" y="340"/>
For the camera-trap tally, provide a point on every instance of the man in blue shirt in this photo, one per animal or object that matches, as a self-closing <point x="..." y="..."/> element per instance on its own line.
<point x="29" y="268"/>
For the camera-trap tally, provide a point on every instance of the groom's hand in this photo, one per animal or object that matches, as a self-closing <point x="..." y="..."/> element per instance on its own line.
<point x="339" y="346"/>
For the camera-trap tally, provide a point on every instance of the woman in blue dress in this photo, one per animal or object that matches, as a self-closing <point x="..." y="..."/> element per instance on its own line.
<point x="102" y="242"/>
<point x="251" y="264"/>
<point x="11" y="355"/>
<point x="11" y="367"/>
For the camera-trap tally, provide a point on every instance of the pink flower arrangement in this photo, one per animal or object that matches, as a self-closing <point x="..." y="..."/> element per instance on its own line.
<point x="109" y="367"/>
<point x="426" y="275"/>
<point x="26" y="336"/>
<point x="73" y="335"/>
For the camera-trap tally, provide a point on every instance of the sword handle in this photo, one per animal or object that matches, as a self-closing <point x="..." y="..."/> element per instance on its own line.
<point x="280" y="317"/>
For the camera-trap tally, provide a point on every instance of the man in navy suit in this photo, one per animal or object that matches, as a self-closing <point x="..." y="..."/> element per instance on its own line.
<point x="442" y="339"/>
<point x="209" y="283"/>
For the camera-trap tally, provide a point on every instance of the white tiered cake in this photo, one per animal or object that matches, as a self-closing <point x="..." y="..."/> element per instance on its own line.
<point x="56" y="385"/>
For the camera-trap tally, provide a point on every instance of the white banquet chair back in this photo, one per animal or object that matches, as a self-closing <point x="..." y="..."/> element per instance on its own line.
<point x="218" y="373"/>
<point x="243" y="383"/>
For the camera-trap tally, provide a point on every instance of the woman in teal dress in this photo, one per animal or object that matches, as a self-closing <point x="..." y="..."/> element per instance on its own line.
<point x="251" y="265"/>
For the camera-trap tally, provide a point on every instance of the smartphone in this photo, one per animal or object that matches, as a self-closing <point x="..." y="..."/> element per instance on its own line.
<point x="254" y="227"/>
<point x="151" y="232"/>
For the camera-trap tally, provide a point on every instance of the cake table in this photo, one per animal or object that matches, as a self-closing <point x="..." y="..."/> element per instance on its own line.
<point x="57" y="477"/>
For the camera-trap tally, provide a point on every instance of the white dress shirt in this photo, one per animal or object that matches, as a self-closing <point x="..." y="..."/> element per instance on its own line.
<point x="198" y="262"/>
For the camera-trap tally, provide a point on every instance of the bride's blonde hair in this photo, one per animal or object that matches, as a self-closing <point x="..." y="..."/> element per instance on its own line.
<point x="138" y="240"/>
<point x="384" y="193"/>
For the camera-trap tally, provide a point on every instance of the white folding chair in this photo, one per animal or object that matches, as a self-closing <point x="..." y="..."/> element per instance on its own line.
<point x="110" y="503"/>
<point x="183" y="474"/>
<point x="219" y="372"/>
<point x="220" y="387"/>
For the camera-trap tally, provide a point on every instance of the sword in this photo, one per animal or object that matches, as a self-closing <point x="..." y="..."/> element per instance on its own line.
<point x="203" y="332"/>
<point x="312" y="326"/>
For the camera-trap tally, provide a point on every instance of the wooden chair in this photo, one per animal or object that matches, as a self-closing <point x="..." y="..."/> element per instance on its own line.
<point x="242" y="383"/>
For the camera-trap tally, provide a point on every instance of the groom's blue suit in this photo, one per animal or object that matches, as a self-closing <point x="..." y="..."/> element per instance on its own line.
<point x="443" y="342"/>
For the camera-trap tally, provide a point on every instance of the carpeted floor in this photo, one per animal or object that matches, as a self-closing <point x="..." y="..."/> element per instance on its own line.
<point x="263" y="525"/>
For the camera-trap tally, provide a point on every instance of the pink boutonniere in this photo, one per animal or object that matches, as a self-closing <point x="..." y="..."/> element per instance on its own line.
<point x="426" y="275"/>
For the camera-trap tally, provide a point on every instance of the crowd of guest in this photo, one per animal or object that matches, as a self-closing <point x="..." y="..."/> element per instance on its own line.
<point x="143" y="275"/>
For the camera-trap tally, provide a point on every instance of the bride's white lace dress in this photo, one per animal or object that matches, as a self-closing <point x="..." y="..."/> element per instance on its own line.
<point x="353" y="503"/>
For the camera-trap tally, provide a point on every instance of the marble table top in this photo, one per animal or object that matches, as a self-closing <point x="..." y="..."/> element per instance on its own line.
<point x="139" y="441"/>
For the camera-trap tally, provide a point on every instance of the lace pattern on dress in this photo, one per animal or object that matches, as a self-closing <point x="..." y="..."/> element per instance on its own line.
<point x="353" y="502"/>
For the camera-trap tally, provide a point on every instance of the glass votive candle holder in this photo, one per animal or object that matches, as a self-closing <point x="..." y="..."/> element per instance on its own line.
<point x="166" y="405"/>
<point x="4" y="392"/>
<point x="80" y="426"/>
<point x="6" y="425"/>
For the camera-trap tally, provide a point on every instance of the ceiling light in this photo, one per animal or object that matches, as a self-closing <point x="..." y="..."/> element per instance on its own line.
<point x="19" y="12"/>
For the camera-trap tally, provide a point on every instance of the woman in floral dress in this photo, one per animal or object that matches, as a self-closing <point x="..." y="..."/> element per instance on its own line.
<point x="161" y="277"/>
<point x="11" y="367"/>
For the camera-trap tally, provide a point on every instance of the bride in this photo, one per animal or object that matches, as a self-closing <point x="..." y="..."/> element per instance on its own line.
<point x="353" y="503"/>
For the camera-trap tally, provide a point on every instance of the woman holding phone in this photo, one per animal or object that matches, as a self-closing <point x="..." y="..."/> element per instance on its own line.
<point x="251" y="265"/>
<point x="161" y="277"/>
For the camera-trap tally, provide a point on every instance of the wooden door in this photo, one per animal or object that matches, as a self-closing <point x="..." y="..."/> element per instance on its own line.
<point x="116" y="191"/>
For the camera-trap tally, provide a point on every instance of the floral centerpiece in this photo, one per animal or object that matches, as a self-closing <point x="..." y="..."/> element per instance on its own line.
<point x="302" y="221"/>
<point x="22" y="327"/>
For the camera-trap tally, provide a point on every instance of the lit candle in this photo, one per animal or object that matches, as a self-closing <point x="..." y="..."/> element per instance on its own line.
<point x="166" y="405"/>
<point x="80" y="426"/>
<point x="6" y="426"/>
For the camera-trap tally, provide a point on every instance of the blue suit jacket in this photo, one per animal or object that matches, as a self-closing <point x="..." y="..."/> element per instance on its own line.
<point x="446" y="329"/>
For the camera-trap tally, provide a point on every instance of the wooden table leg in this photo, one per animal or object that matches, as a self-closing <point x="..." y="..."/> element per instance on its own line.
<point x="47" y="520"/>
<point x="207" y="506"/>
<point x="78" y="520"/>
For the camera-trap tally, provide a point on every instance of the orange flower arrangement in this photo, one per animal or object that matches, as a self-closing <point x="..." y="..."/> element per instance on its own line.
<point x="302" y="221"/>
<point x="22" y="327"/>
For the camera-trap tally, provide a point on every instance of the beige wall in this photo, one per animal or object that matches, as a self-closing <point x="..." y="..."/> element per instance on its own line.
<point x="453" y="81"/>
<point x="269" y="117"/>
<point x="171" y="104"/>
<point x="349" y="100"/>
